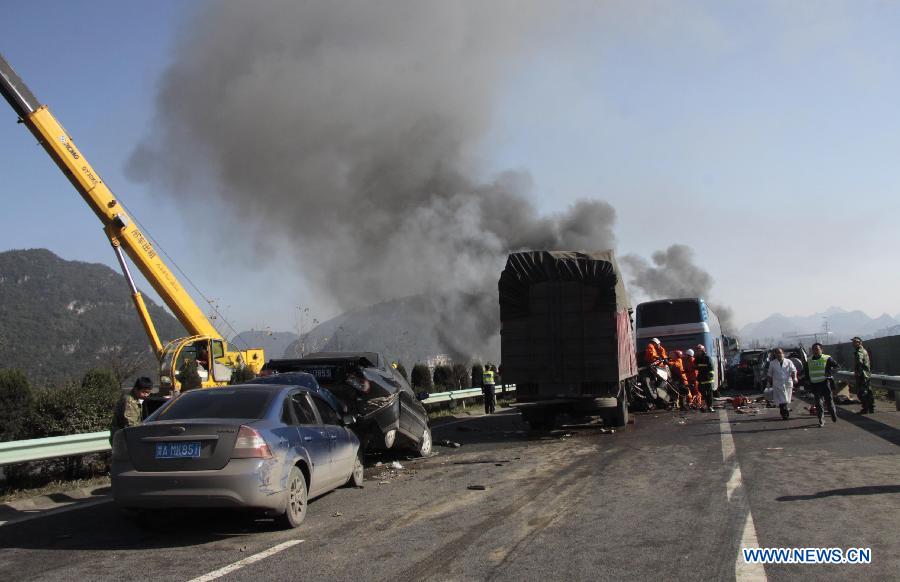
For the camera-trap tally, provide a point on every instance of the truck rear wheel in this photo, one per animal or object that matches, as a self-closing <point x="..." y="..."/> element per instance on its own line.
<point x="620" y="416"/>
<point x="606" y="402"/>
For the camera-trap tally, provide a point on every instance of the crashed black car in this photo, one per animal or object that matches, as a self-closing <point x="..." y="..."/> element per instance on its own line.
<point x="388" y="413"/>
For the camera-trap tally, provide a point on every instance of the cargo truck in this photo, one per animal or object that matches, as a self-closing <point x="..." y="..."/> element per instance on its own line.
<point x="566" y="336"/>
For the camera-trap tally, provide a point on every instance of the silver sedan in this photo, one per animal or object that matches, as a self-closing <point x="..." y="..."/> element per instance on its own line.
<point x="269" y="447"/>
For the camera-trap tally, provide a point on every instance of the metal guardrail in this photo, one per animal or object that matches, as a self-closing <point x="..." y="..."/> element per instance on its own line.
<point x="95" y="442"/>
<point x="889" y="383"/>
<point x="456" y="395"/>
<point x="53" y="447"/>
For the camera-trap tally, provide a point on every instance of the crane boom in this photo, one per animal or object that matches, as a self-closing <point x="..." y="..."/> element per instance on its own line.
<point x="120" y="228"/>
<point x="205" y="349"/>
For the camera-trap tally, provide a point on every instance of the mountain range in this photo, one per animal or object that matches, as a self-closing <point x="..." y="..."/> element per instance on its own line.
<point x="842" y="325"/>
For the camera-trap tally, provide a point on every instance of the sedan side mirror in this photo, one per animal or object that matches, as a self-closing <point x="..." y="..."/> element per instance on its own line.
<point x="423" y="395"/>
<point x="349" y="419"/>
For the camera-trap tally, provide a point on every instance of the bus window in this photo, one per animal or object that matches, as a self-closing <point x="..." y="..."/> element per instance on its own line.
<point x="663" y="313"/>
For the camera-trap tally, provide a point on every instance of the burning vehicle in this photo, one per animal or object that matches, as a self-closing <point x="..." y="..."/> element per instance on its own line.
<point x="388" y="413"/>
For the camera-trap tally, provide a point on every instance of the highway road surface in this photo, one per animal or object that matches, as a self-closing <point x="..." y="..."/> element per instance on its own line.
<point x="669" y="498"/>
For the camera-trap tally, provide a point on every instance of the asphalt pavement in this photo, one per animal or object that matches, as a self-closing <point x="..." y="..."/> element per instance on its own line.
<point x="669" y="497"/>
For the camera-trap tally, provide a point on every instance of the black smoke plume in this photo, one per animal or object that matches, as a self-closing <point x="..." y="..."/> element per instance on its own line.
<point x="352" y="129"/>
<point x="674" y="274"/>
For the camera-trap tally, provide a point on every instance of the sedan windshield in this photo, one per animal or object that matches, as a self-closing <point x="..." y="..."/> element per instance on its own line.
<point x="218" y="403"/>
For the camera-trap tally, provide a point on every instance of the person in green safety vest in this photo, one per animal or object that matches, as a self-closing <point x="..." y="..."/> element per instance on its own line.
<point x="820" y="374"/>
<point x="488" y="380"/>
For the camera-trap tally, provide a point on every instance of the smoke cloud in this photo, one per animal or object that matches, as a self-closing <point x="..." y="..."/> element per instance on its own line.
<point x="353" y="129"/>
<point x="672" y="274"/>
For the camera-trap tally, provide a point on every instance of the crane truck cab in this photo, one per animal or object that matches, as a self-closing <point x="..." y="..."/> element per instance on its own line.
<point x="216" y="359"/>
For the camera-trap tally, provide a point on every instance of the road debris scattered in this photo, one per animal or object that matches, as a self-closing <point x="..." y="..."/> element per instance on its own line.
<point x="396" y="465"/>
<point x="448" y="443"/>
<point x="476" y="487"/>
<point x="337" y="514"/>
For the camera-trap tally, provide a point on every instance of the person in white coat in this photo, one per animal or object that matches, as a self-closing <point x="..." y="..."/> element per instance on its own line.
<point x="782" y="376"/>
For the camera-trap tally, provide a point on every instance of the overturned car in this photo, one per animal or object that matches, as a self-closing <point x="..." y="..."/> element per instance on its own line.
<point x="387" y="411"/>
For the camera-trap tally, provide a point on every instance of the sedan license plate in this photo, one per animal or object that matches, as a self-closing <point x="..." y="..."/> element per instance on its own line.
<point x="179" y="450"/>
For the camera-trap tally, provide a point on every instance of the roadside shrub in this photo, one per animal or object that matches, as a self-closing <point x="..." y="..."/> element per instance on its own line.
<point x="241" y="375"/>
<point x="461" y="377"/>
<point x="477" y="372"/>
<point x="16" y="400"/>
<point x="190" y="376"/>
<point x="420" y="377"/>
<point x="443" y="377"/>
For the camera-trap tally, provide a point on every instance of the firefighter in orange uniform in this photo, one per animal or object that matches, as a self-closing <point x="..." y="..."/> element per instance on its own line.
<point x="655" y="354"/>
<point x="679" y="378"/>
<point x="690" y="369"/>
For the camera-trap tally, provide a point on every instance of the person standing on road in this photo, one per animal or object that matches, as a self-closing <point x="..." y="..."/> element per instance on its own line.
<point x="128" y="411"/>
<point x="706" y="376"/>
<point x="862" y="370"/>
<point x="487" y="389"/>
<point x="782" y="375"/>
<point x="819" y="373"/>
<point x="690" y="370"/>
<point x="679" y="378"/>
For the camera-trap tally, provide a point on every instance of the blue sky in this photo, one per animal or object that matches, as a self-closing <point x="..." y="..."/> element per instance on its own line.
<point x="762" y="134"/>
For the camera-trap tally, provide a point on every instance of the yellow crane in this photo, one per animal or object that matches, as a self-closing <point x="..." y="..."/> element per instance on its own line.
<point x="217" y="358"/>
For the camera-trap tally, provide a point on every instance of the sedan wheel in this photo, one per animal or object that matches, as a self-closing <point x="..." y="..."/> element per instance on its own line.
<point x="424" y="448"/>
<point x="295" y="511"/>
<point x="356" y="478"/>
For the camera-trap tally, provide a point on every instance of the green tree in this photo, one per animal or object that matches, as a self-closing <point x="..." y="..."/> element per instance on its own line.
<point x="241" y="375"/>
<point x="477" y="374"/>
<point x="443" y="377"/>
<point x="16" y="400"/>
<point x="189" y="375"/>
<point x="421" y="377"/>
<point x="461" y="377"/>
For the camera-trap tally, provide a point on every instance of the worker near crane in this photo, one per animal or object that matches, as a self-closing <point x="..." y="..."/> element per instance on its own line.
<point x="862" y="370"/>
<point x="705" y="376"/>
<point x="820" y="374"/>
<point x="655" y="354"/>
<point x="128" y="410"/>
<point x="690" y="370"/>
<point x="488" y="380"/>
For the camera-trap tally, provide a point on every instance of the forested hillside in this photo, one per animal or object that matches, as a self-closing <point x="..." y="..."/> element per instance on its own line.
<point x="59" y="318"/>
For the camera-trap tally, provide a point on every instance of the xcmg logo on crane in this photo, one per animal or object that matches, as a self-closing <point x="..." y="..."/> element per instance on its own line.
<point x="68" y="146"/>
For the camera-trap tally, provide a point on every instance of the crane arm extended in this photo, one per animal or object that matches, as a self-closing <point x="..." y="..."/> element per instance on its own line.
<point x="119" y="227"/>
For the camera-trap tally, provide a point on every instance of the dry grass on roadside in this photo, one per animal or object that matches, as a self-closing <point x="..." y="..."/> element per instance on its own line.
<point x="52" y="487"/>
